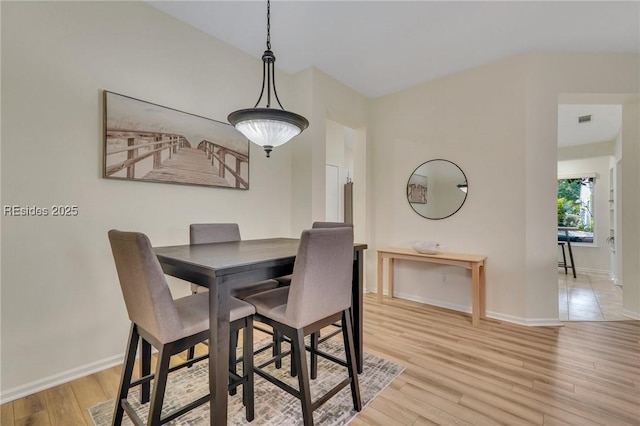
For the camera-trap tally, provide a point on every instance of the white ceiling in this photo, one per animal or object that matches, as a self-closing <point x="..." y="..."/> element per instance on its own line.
<point x="380" y="47"/>
<point x="604" y="126"/>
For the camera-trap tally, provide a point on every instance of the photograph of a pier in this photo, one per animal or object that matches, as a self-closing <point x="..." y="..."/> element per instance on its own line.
<point x="148" y="142"/>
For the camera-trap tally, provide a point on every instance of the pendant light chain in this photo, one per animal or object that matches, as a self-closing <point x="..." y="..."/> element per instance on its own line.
<point x="268" y="25"/>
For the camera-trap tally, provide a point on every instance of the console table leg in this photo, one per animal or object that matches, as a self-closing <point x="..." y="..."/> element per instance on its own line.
<point x="380" y="268"/>
<point x="391" y="263"/>
<point x="476" y="294"/>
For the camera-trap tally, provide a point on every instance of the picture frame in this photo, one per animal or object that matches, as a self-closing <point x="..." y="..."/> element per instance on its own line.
<point x="417" y="194"/>
<point x="148" y="142"/>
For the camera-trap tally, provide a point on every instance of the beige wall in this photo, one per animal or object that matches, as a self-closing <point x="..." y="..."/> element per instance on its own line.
<point x="476" y="120"/>
<point x="327" y="99"/>
<point x="549" y="77"/>
<point x="630" y="209"/>
<point x="499" y="124"/>
<point x="62" y="311"/>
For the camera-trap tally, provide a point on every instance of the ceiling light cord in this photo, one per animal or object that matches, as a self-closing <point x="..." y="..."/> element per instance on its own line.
<point x="268" y="24"/>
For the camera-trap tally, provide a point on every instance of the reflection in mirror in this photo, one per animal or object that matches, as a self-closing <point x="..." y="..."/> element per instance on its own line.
<point x="437" y="189"/>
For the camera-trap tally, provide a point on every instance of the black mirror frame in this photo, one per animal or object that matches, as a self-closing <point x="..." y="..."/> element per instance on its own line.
<point x="461" y="204"/>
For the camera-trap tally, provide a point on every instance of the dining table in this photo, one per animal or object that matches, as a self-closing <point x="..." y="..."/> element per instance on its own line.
<point x="222" y="266"/>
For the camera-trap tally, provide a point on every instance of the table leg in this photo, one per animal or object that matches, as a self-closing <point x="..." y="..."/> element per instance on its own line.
<point x="483" y="291"/>
<point x="476" y="294"/>
<point x="218" y="352"/>
<point x="357" y="288"/>
<point x="380" y="270"/>
<point x="390" y="277"/>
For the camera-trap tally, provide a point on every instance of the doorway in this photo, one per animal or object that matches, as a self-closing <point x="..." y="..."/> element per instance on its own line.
<point x="346" y="163"/>
<point x="589" y="149"/>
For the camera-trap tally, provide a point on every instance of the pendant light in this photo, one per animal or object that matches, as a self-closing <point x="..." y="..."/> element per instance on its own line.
<point x="268" y="127"/>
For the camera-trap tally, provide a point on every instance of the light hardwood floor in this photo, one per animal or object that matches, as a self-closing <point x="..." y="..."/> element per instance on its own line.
<point x="585" y="373"/>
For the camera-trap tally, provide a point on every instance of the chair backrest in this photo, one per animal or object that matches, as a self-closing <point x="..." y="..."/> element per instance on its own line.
<point x="204" y="233"/>
<point x="144" y="287"/>
<point x="322" y="275"/>
<point x="317" y="225"/>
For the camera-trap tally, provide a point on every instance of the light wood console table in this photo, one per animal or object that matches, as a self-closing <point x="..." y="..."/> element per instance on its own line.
<point x="476" y="263"/>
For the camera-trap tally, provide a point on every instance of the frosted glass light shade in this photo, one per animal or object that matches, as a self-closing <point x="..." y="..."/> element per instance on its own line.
<point x="268" y="127"/>
<point x="267" y="132"/>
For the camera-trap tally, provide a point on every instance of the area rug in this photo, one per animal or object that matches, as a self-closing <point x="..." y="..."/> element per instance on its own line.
<point x="273" y="406"/>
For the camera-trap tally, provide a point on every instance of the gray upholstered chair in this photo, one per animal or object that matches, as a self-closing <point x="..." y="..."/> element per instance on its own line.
<point x="286" y="279"/>
<point x="169" y="325"/>
<point x="206" y="233"/>
<point x="319" y="295"/>
<point x="315" y="337"/>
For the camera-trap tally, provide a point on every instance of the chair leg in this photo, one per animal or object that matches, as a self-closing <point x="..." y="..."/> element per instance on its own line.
<point x="300" y="358"/>
<point x="127" y="372"/>
<point x="277" y="347"/>
<point x="191" y="354"/>
<point x="347" y="333"/>
<point x="145" y="370"/>
<point x="192" y="350"/>
<point x="247" y="369"/>
<point x="314" y="356"/>
<point x="159" y="386"/>
<point x="233" y="361"/>
<point x="564" y="260"/>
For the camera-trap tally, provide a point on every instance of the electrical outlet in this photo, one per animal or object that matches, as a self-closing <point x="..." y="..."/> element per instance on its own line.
<point x="444" y="278"/>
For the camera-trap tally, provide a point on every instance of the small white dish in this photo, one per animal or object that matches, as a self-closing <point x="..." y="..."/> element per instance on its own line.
<point x="427" y="247"/>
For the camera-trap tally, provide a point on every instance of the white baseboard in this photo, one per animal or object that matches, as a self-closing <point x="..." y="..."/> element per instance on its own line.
<point x="529" y="322"/>
<point x="60" y="378"/>
<point x="438" y="303"/>
<point x="535" y="322"/>
<point x="593" y="271"/>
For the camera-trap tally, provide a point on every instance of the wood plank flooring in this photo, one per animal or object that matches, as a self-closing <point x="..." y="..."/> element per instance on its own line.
<point x="585" y="373"/>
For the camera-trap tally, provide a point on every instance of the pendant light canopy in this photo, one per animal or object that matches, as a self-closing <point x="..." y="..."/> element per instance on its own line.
<point x="268" y="127"/>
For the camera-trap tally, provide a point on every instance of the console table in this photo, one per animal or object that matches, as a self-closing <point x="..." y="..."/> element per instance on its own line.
<point x="476" y="263"/>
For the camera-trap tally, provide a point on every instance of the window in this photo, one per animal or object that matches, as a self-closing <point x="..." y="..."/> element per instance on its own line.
<point x="575" y="208"/>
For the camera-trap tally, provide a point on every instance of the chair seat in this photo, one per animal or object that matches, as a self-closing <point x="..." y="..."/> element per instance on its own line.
<point x="284" y="280"/>
<point x="246" y="290"/>
<point x="271" y="303"/>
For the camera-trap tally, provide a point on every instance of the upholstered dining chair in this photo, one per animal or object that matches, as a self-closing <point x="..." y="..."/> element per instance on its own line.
<point x="315" y="337"/>
<point x="319" y="295"/>
<point x="206" y="233"/>
<point x="286" y="279"/>
<point x="171" y="326"/>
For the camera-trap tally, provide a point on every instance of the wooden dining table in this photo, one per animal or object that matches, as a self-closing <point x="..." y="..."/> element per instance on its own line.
<point x="223" y="266"/>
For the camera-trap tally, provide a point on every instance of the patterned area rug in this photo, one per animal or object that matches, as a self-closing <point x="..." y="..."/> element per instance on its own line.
<point x="273" y="405"/>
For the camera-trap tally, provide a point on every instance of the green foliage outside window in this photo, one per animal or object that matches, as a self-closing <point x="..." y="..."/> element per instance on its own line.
<point x="573" y="209"/>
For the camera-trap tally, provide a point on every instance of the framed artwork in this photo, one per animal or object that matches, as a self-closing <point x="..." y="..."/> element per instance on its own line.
<point x="417" y="193"/>
<point x="417" y="189"/>
<point x="152" y="143"/>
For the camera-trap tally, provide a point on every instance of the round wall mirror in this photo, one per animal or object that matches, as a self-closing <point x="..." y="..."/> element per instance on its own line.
<point x="437" y="189"/>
